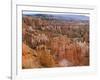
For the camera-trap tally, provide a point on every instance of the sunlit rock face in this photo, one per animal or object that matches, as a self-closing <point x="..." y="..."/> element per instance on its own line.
<point x="72" y="52"/>
<point x="29" y="57"/>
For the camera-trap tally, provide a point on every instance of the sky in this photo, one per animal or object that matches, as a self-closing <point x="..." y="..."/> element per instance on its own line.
<point x="42" y="12"/>
<point x="66" y="15"/>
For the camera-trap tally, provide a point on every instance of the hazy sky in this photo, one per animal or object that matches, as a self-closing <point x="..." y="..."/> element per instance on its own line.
<point x="53" y="13"/>
<point x="60" y="15"/>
